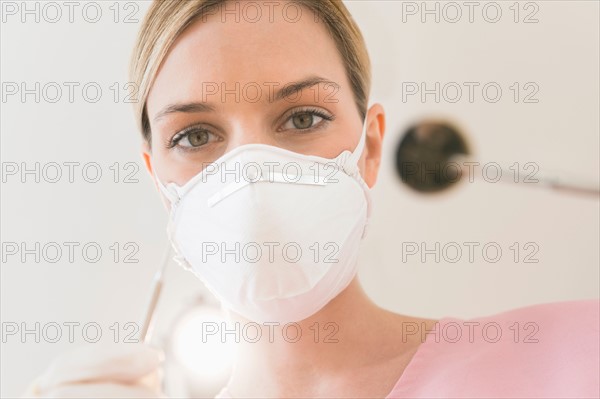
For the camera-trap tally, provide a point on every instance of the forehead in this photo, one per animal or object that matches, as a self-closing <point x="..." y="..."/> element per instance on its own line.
<point x="242" y="45"/>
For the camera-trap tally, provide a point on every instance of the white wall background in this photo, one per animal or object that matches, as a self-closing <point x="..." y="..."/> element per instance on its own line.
<point x="560" y="54"/>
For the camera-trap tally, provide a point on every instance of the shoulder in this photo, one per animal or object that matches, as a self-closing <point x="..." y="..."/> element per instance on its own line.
<point x="579" y="310"/>
<point x="544" y="350"/>
<point x="552" y="322"/>
<point x="559" y="334"/>
<point x="569" y="323"/>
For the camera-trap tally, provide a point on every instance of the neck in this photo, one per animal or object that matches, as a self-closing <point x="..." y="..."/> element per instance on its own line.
<point x="346" y="335"/>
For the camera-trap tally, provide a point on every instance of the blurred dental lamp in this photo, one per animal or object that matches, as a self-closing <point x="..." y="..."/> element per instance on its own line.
<point x="433" y="156"/>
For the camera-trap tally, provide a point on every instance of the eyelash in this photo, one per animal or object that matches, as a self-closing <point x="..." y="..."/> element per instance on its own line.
<point x="311" y="111"/>
<point x="172" y="142"/>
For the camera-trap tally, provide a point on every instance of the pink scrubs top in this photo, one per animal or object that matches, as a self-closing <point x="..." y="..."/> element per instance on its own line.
<point x="549" y="350"/>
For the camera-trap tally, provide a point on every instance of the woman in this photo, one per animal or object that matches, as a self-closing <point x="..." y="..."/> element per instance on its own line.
<point x="259" y="134"/>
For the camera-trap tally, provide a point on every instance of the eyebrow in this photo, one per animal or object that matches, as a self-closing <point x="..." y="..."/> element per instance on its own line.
<point x="186" y="107"/>
<point x="287" y="90"/>
<point x="296" y="87"/>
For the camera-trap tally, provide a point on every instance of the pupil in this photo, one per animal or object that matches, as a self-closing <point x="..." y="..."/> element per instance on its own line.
<point x="303" y="121"/>
<point x="197" y="138"/>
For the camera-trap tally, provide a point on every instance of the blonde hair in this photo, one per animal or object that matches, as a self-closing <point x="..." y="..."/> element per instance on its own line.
<point x="167" y="19"/>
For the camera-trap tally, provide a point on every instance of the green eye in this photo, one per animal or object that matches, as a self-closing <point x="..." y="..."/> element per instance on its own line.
<point x="306" y="120"/>
<point x="303" y="120"/>
<point x="192" y="138"/>
<point x="197" y="138"/>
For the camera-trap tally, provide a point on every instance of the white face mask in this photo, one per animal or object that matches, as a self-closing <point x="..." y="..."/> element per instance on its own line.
<point x="273" y="234"/>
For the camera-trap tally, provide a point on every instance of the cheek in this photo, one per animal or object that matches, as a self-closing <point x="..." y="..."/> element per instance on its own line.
<point x="179" y="174"/>
<point x="169" y="168"/>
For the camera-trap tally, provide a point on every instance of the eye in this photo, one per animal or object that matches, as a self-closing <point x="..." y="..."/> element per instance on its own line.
<point x="192" y="138"/>
<point x="306" y="119"/>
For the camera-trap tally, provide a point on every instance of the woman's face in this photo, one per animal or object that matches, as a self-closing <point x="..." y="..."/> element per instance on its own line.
<point x="228" y="82"/>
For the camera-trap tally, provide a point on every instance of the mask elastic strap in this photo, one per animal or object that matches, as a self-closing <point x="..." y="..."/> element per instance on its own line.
<point x="351" y="163"/>
<point x="171" y="195"/>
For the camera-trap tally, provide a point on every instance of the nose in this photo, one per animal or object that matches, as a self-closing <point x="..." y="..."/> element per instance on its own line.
<point x="249" y="132"/>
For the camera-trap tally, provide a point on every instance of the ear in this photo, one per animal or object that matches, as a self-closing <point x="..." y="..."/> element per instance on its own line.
<point x="147" y="157"/>
<point x="373" y="143"/>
